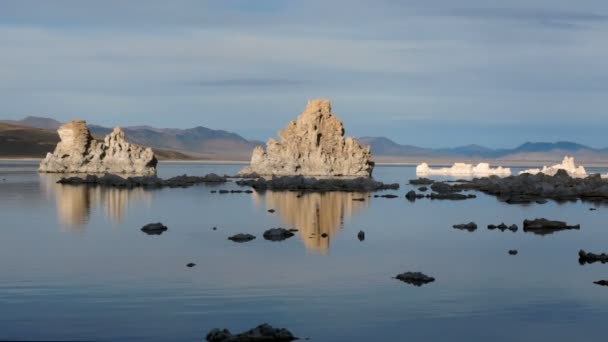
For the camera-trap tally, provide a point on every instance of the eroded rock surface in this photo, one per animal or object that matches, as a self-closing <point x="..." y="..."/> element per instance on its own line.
<point x="78" y="152"/>
<point x="313" y="145"/>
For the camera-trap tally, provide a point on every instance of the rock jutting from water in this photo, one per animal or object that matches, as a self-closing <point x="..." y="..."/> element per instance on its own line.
<point x="502" y="227"/>
<point x="588" y="257"/>
<point x="542" y="226"/>
<point x="463" y="169"/>
<point x="263" y="332"/>
<point x="154" y="228"/>
<point x="112" y="180"/>
<point x="471" y="226"/>
<point x="415" y="278"/>
<point x="278" y="234"/>
<point x="301" y="183"/>
<point x="528" y="188"/>
<point x="241" y="237"/>
<point x="312" y="145"/>
<point x="78" y="152"/>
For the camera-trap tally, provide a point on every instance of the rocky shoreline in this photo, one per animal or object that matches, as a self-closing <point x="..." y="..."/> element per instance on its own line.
<point x="113" y="180"/>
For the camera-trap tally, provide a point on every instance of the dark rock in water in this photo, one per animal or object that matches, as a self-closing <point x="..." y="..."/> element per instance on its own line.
<point x="154" y="228"/>
<point x="415" y="278"/>
<point x="241" y="238"/>
<point x="293" y="230"/>
<point x="324" y="235"/>
<point x="361" y="235"/>
<point x="359" y="199"/>
<point x="214" y="228"/>
<point x="112" y="180"/>
<point x="589" y="258"/>
<point x="224" y="191"/>
<point x="471" y="226"/>
<point x="278" y="234"/>
<point x="513" y="251"/>
<point x="261" y="333"/>
<point x="271" y="210"/>
<point x="248" y="191"/>
<point x="502" y="226"/>
<point x="411" y="195"/>
<point x="301" y="183"/>
<point x="190" y="264"/>
<point x="443" y="187"/>
<point x="450" y="196"/>
<point x="541" y="201"/>
<point x="601" y="282"/>
<point x="213" y="191"/>
<point x="543" y="226"/>
<point x="389" y="196"/>
<point x="421" y="181"/>
<point x="592" y="209"/>
<point x="423" y="188"/>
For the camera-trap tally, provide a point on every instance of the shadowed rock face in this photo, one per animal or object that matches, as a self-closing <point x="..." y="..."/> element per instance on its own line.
<point x="313" y="145"/>
<point x="78" y="152"/>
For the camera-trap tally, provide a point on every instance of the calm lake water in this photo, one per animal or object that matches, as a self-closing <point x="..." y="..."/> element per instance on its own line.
<point x="74" y="264"/>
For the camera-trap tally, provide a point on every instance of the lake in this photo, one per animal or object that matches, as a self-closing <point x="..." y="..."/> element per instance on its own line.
<point x="74" y="264"/>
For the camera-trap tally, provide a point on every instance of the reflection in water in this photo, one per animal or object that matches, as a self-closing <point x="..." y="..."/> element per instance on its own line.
<point x="75" y="203"/>
<point x="314" y="214"/>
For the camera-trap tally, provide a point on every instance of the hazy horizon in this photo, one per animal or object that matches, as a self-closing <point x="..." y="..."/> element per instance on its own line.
<point x="425" y="73"/>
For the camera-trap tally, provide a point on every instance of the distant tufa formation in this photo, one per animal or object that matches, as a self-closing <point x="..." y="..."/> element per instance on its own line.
<point x="313" y="145"/>
<point x="78" y="152"/>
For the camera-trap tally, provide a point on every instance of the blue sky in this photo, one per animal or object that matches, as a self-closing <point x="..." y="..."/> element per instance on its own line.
<point x="429" y="73"/>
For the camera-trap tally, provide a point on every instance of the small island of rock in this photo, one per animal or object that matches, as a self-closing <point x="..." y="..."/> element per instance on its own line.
<point x="313" y="145"/>
<point x="79" y="152"/>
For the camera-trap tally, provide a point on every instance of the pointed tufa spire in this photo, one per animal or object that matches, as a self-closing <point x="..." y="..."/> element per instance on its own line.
<point x="313" y="145"/>
<point x="78" y="152"/>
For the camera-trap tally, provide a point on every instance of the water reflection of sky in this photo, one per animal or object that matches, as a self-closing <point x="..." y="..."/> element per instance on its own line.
<point x="110" y="281"/>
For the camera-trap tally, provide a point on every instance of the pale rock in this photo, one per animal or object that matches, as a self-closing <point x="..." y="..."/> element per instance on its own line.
<point x="313" y="145"/>
<point x="463" y="169"/>
<point x="78" y="152"/>
<point x="567" y="164"/>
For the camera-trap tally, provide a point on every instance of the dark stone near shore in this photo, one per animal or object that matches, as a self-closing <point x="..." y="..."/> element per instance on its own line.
<point x="389" y="196"/>
<point x="471" y="226"/>
<point x="450" y="196"/>
<point x="421" y="181"/>
<point x="112" y="180"/>
<point x="415" y="278"/>
<point x="411" y="195"/>
<point x="543" y="226"/>
<point x="304" y="184"/>
<point x="261" y="333"/>
<point x="527" y="188"/>
<point x="361" y="235"/>
<point x="423" y="188"/>
<point x="154" y="228"/>
<point x="601" y="282"/>
<point x="278" y="234"/>
<point x="241" y="238"/>
<point x="589" y="258"/>
<point x="512" y="251"/>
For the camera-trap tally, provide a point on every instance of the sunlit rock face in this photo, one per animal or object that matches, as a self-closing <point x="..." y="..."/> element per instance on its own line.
<point x="78" y="152"/>
<point x="567" y="164"/>
<point x="313" y="145"/>
<point x="314" y="214"/>
<point x="463" y="169"/>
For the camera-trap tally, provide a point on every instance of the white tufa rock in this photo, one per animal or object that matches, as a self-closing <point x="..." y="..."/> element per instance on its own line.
<point x="313" y="145"/>
<point x="567" y="164"/>
<point x="463" y="169"/>
<point x="78" y="152"/>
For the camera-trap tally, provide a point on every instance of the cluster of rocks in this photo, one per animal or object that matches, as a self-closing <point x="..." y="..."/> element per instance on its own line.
<point x="441" y="191"/>
<point x="502" y="227"/>
<point x="415" y="278"/>
<point x="312" y="145"/>
<point x="113" y="180"/>
<point x="78" y="152"/>
<point x="589" y="258"/>
<point x="304" y="184"/>
<point x="263" y="332"/>
<point x="471" y="226"/>
<point x="528" y="188"/>
<point x="233" y="191"/>
<point x="543" y="226"/>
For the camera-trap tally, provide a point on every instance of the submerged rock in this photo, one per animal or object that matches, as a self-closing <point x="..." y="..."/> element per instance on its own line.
<point x="278" y="234"/>
<point x="78" y="152"/>
<point x="543" y="226"/>
<point x="261" y="333"/>
<point x="313" y="145"/>
<point x="584" y="257"/>
<point x="415" y="278"/>
<point x="113" y="180"/>
<point x="300" y="183"/>
<point x="154" y="228"/>
<point x="241" y="238"/>
<point x="471" y="226"/>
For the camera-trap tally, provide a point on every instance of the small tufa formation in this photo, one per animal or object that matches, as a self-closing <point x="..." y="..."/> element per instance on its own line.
<point x="78" y="152"/>
<point x="313" y="145"/>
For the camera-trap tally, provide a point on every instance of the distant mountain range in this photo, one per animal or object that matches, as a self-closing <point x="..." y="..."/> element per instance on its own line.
<point x="34" y="136"/>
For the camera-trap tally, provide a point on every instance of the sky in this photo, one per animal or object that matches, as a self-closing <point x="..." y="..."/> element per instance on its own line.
<point x="427" y="73"/>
